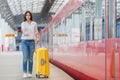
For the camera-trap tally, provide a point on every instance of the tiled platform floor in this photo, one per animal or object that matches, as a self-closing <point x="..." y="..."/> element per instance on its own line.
<point x="11" y="68"/>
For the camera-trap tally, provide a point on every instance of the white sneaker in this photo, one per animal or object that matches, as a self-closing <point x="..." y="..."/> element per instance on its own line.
<point x="25" y="75"/>
<point x="30" y="75"/>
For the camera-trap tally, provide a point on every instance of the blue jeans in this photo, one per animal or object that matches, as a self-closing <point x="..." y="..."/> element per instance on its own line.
<point x="28" y="47"/>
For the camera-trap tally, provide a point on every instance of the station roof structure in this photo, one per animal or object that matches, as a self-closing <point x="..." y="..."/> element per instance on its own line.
<point x="12" y="10"/>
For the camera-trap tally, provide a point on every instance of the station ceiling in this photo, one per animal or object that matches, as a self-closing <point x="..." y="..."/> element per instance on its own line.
<point x="12" y="10"/>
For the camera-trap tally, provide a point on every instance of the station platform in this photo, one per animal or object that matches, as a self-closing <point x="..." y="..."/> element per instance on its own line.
<point x="11" y="68"/>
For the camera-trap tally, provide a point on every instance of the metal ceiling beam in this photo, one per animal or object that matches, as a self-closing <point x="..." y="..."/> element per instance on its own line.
<point x="7" y="14"/>
<point x="46" y="8"/>
<point x="50" y="1"/>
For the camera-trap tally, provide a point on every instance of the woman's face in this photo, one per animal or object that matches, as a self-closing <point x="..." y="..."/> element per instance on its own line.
<point x="28" y="17"/>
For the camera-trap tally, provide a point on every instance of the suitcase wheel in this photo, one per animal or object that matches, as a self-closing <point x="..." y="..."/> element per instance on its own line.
<point x="46" y="77"/>
<point x="37" y="75"/>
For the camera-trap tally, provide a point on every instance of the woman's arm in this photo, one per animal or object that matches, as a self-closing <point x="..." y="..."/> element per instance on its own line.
<point x="36" y="34"/>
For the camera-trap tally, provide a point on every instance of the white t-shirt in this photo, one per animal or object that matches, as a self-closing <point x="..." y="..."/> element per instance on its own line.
<point x="30" y="29"/>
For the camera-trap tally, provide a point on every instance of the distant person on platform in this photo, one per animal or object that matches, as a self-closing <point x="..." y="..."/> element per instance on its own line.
<point x="29" y="36"/>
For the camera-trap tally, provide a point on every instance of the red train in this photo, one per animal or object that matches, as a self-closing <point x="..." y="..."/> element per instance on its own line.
<point x="84" y="39"/>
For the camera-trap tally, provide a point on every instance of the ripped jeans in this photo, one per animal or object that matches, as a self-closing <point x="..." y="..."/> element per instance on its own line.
<point x="28" y="47"/>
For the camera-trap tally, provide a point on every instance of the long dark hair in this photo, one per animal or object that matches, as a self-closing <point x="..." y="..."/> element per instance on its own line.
<point x="30" y="15"/>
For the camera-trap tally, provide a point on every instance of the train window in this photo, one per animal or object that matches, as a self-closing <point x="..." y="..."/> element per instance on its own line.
<point x="103" y="29"/>
<point x="99" y="28"/>
<point x="55" y="37"/>
<point x="67" y="31"/>
<point x="59" y="34"/>
<point x="87" y="32"/>
<point x="63" y="31"/>
<point x="83" y="23"/>
<point x="118" y="27"/>
<point x="87" y="11"/>
<point x="89" y="29"/>
<point x="118" y="20"/>
<point x="110" y="27"/>
<point x="103" y="19"/>
<point x="75" y="34"/>
<point x="68" y="28"/>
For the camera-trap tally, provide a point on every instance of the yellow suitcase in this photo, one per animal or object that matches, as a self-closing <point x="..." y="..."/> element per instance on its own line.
<point x="42" y="63"/>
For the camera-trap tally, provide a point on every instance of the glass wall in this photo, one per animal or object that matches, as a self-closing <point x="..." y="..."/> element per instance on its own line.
<point x="84" y="24"/>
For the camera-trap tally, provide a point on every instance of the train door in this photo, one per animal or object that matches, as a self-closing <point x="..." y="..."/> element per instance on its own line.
<point x="112" y="59"/>
<point x="117" y="39"/>
<point x="109" y="41"/>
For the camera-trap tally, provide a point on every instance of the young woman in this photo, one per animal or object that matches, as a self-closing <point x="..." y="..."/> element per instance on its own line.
<point x="29" y="36"/>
